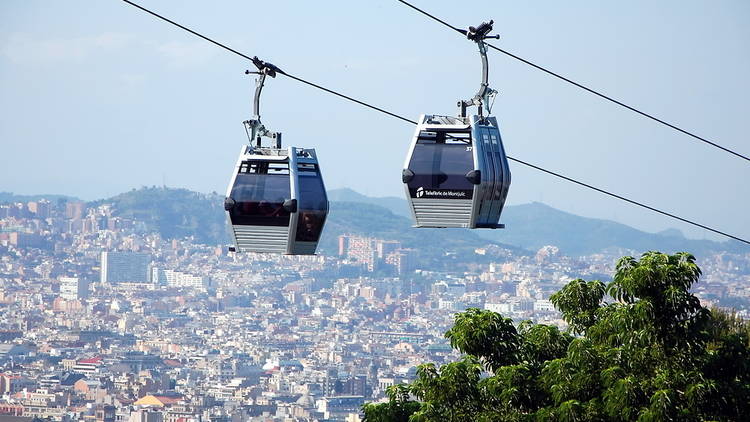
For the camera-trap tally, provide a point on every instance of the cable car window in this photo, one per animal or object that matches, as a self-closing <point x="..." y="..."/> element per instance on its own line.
<point x="492" y="165"/>
<point x="313" y="206"/>
<point x="259" y="199"/>
<point x="499" y="153"/>
<point x="441" y="163"/>
<point x="307" y="168"/>
<point x="426" y="137"/>
<point x="265" y="167"/>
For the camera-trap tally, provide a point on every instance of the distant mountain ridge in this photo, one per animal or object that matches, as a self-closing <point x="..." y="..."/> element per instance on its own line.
<point x="12" y="197"/>
<point x="534" y="225"/>
<point x="395" y="205"/>
<point x="177" y="213"/>
<point x="531" y="226"/>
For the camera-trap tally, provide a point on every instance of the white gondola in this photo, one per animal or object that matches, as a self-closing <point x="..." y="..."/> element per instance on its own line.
<point x="456" y="172"/>
<point x="276" y="201"/>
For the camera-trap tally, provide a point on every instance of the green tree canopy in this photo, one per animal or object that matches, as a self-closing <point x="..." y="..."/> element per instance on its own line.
<point x="639" y="348"/>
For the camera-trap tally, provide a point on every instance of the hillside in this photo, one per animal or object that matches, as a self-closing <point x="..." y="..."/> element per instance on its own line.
<point x="393" y="204"/>
<point x="373" y="220"/>
<point x="534" y="225"/>
<point x="179" y="213"/>
<point x="176" y="213"/>
<point x="531" y="226"/>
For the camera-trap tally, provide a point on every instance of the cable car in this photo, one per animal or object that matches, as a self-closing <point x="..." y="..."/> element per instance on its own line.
<point x="456" y="172"/>
<point x="276" y="201"/>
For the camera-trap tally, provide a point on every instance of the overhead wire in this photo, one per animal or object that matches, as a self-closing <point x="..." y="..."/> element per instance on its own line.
<point x="245" y="56"/>
<point x="614" y="195"/>
<point x="583" y="87"/>
<point x="405" y="119"/>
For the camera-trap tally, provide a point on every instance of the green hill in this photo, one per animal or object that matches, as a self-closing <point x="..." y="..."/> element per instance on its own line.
<point x="180" y="213"/>
<point x="174" y="213"/>
<point x="531" y="226"/>
<point x="393" y="204"/>
<point x="367" y="219"/>
<point x="534" y="225"/>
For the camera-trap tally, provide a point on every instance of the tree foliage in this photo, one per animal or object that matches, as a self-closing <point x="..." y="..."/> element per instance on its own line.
<point x="649" y="353"/>
<point x="398" y="408"/>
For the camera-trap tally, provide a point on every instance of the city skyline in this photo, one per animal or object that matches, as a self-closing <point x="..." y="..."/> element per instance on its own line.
<point x="106" y="320"/>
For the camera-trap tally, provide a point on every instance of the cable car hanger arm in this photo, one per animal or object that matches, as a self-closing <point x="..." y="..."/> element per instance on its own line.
<point x="485" y="93"/>
<point x="254" y="125"/>
<point x="581" y="86"/>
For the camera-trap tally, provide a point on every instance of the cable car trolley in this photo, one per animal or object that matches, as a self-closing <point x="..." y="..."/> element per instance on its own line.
<point x="456" y="172"/>
<point x="276" y="201"/>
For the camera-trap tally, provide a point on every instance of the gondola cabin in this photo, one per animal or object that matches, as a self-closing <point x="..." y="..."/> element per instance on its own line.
<point x="456" y="172"/>
<point x="276" y="201"/>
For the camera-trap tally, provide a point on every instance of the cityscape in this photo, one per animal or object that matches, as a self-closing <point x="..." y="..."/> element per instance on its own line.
<point x="102" y="319"/>
<point x="499" y="213"/>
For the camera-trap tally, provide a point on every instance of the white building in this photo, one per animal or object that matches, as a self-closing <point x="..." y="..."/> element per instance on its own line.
<point x="73" y="288"/>
<point x="124" y="267"/>
<point x="543" y="305"/>
<point x="174" y="278"/>
<point x="500" y="308"/>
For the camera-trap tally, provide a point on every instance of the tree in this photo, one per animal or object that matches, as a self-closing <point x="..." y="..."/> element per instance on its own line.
<point x="640" y="348"/>
<point x="397" y="409"/>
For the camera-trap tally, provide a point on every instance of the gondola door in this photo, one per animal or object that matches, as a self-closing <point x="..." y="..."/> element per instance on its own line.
<point x="258" y="205"/>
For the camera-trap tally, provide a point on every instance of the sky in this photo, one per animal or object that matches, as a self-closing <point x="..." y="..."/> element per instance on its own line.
<point x="97" y="98"/>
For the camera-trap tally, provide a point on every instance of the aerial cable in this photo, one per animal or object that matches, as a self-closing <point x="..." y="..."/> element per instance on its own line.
<point x="279" y="71"/>
<point x="614" y="195"/>
<point x="405" y="119"/>
<point x="346" y="97"/>
<point x="585" y="88"/>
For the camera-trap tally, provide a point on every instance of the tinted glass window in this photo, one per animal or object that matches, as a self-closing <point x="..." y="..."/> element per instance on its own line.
<point x="499" y="153"/>
<point x="438" y="165"/>
<point x="259" y="199"/>
<point x="490" y="153"/>
<point x="313" y="207"/>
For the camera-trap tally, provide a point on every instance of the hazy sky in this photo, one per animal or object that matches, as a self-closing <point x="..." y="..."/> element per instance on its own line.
<point x="98" y="97"/>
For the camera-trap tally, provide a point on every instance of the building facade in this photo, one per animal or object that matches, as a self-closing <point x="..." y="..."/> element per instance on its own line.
<point x="124" y="267"/>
